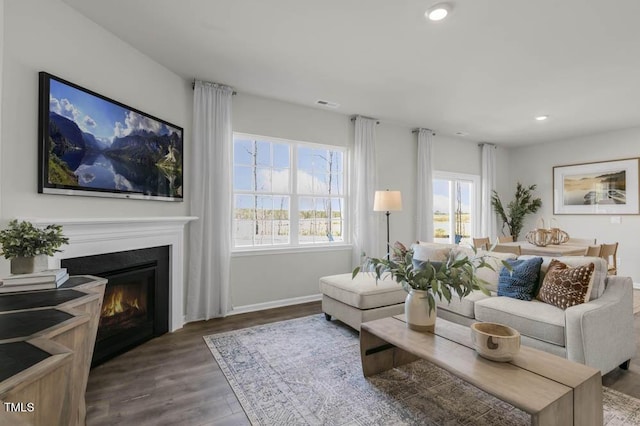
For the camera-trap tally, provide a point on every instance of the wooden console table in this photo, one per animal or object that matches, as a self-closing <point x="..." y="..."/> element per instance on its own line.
<point x="553" y="390"/>
<point x="46" y="344"/>
<point x="550" y="250"/>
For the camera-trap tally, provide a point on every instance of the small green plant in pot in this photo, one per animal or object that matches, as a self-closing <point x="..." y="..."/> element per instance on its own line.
<point x="424" y="281"/>
<point x="28" y="246"/>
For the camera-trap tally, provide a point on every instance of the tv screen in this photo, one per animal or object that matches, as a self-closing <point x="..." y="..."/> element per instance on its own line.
<point x="92" y="145"/>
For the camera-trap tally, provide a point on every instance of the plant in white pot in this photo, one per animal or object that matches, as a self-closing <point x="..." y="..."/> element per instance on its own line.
<point x="424" y="281"/>
<point x="28" y="246"/>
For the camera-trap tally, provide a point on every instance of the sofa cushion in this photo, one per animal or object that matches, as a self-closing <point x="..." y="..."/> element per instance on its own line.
<point x="363" y="292"/>
<point x="564" y="286"/>
<point x="534" y="319"/>
<point x="495" y="260"/>
<point x="464" y="306"/>
<point x="522" y="281"/>
<point x="435" y="252"/>
<point x="599" y="273"/>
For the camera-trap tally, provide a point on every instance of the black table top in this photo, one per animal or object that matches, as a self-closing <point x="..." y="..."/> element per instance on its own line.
<point x="26" y="323"/>
<point x="17" y="357"/>
<point x="37" y="299"/>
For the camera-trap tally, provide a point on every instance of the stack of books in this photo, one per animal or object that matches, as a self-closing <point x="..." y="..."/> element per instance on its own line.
<point x="51" y="278"/>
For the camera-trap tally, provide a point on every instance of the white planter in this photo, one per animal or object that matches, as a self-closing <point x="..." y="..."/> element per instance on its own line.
<point x="29" y="265"/>
<point x="416" y="309"/>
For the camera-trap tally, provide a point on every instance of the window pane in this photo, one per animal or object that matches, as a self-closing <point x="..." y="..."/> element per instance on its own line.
<point x="280" y="181"/>
<point x="264" y="193"/>
<point x="242" y="151"/>
<point x="305" y="159"/>
<point x="263" y="179"/>
<point x="453" y="210"/>
<point x="244" y="223"/>
<point x="263" y="153"/>
<point x="243" y="178"/>
<point x="337" y="221"/>
<point x="336" y="184"/>
<point x="281" y="156"/>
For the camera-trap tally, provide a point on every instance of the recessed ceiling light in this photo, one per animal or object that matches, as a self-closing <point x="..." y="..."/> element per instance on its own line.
<point x="438" y="12"/>
<point x="542" y="117"/>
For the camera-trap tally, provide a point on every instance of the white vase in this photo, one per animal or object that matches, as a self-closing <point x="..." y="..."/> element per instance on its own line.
<point x="29" y="265"/>
<point x="416" y="310"/>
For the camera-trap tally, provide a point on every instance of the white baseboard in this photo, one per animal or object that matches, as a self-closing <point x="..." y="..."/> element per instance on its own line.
<point x="274" y="304"/>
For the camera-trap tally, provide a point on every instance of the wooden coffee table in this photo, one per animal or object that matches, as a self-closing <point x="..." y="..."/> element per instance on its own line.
<point x="553" y="390"/>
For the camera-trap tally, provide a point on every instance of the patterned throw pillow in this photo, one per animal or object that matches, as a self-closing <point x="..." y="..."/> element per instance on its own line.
<point x="564" y="286"/>
<point x="521" y="282"/>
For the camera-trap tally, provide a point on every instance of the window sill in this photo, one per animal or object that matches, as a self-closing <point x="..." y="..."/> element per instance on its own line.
<point x="290" y="250"/>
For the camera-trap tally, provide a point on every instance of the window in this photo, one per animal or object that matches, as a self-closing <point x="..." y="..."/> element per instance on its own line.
<point x="456" y="212"/>
<point x="287" y="193"/>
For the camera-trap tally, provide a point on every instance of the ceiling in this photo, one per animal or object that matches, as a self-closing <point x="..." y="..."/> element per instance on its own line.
<point x="486" y="71"/>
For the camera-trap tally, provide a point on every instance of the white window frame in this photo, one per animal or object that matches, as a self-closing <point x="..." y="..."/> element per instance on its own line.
<point x="294" y="244"/>
<point x="475" y="199"/>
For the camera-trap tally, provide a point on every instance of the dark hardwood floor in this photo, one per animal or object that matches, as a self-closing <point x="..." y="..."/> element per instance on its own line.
<point x="174" y="380"/>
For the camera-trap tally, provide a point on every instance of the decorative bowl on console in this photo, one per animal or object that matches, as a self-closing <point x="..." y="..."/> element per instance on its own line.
<point x="494" y="341"/>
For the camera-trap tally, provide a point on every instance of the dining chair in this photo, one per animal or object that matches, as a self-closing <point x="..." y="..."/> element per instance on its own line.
<point x="501" y="248"/>
<point x="609" y="253"/>
<point x="505" y="239"/>
<point x="593" y="251"/>
<point x="581" y="241"/>
<point x="482" y="243"/>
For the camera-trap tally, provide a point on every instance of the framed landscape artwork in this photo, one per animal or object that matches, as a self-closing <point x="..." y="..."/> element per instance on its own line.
<point x="606" y="187"/>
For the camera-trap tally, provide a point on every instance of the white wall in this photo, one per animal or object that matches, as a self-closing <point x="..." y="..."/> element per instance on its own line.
<point x="47" y="35"/>
<point x="257" y="279"/>
<point x="264" y="278"/>
<point x="533" y="164"/>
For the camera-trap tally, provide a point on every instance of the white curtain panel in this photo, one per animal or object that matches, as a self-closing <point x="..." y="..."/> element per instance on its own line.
<point x="488" y="227"/>
<point x="365" y="220"/>
<point x="424" y="186"/>
<point x="211" y="194"/>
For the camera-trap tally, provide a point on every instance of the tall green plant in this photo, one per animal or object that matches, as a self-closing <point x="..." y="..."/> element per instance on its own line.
<point x="522" y="205"/>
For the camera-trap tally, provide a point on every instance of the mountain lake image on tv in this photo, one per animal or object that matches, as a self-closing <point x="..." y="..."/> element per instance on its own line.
<point x="92" y="145"/>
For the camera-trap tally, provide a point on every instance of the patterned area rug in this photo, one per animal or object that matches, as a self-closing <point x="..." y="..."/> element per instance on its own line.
<point x="307" y="371"/>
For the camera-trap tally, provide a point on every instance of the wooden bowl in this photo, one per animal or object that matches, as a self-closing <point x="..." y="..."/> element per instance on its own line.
<point x="496" y="342"/>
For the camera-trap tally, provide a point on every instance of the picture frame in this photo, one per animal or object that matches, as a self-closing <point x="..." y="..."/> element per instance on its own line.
<point x="603" y="187"/>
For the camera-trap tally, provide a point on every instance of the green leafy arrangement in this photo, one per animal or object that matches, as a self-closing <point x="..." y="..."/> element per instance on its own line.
<point x="522" y="205"/>
<point x="23" y="239"/>
<point x="455" y="275"/>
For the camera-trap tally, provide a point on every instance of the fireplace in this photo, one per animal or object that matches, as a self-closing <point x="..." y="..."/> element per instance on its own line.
<point x="136" y="299"/>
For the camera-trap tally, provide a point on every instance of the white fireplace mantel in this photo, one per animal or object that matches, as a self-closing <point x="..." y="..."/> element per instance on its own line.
<point x="91" y="236"/>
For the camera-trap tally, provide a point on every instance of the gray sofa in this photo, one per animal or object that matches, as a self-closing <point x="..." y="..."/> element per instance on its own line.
<point x="598" y="333"/>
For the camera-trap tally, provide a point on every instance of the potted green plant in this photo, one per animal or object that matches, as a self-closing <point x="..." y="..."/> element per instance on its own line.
<point x="424" y="281"/>
<point x="522" y="205"/>
<point x="28" y="246"/>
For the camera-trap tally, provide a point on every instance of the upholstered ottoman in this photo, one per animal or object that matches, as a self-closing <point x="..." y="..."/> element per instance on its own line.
<point x="354" y="301"/>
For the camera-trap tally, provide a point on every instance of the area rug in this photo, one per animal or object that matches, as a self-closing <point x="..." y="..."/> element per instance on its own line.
<point x="307" y="371"/>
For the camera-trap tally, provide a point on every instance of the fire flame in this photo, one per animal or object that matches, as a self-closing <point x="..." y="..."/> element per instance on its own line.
<point x="115" y="304"/>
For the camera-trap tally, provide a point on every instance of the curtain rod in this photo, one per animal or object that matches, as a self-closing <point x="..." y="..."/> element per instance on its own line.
<point x="418" y="129"/>
<point x="487" y="143"/>
<point x="193" y="85"/>
<point x="370" y="118"/>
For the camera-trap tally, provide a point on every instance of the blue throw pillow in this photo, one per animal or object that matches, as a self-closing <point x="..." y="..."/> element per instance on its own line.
<point x="522" y="282"/>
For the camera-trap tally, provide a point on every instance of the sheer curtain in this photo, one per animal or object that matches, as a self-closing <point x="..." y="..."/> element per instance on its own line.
<point x="424" y="187"/>
<point x="364" y="182"/>
<point x="210" y="235"/>
<point x="488" y="228"/>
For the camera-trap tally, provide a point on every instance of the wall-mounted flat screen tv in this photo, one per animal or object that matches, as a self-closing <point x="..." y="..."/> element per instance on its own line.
<point x="92" y="145"/>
